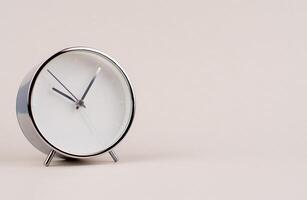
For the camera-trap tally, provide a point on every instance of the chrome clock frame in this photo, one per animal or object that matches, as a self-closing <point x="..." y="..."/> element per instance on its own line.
<point x="28" y="124"/>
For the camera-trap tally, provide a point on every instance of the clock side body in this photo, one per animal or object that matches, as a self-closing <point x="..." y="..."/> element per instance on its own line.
<point x="23" y="114"/>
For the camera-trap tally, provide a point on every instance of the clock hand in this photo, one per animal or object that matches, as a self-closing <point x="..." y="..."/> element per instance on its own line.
<point x="81" y="102"/>
<point x="62" y="85"/>
<point x="90" y="84"/>
<point x="65" y="95"/>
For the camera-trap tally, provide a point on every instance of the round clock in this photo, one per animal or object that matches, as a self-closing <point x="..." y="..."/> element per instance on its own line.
<point x="79" y="103"/>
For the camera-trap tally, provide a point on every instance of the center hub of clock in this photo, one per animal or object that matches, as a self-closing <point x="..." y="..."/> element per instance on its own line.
<point x="79" y="104"/>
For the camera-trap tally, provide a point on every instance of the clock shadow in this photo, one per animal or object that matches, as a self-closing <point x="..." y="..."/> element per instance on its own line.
<point x="123" y="159"/>
<point x="79" y="162"/>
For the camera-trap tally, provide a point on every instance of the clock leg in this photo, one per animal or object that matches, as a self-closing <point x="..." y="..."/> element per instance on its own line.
<point x="49" y="158"/>
<point x="113" y="155"/>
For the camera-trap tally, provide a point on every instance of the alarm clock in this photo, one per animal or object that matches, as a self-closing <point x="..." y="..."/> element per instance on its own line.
<point x="78" y="104"/>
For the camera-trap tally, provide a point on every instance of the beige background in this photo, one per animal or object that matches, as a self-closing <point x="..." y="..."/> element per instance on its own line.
<point x="221" y="98"/>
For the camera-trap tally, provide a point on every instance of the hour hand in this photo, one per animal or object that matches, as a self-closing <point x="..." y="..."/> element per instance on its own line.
<point x="65" y="95"/>
<point x="76" y="99"/>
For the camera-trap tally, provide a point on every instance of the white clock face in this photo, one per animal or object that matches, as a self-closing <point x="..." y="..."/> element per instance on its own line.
<point x="81" y="102"/>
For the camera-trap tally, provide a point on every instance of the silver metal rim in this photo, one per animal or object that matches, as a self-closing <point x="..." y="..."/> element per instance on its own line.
<point x="87" y="49"/>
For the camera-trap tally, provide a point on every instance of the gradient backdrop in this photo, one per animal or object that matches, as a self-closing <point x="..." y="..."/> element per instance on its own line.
<point x="221" y="93"/>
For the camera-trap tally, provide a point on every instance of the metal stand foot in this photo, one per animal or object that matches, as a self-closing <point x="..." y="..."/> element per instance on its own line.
<point x="49" y="158"/>
<point x="113" y="155"/>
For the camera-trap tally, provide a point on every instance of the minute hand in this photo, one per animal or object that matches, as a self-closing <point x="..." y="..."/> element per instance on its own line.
<point x="90" y="84"/>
